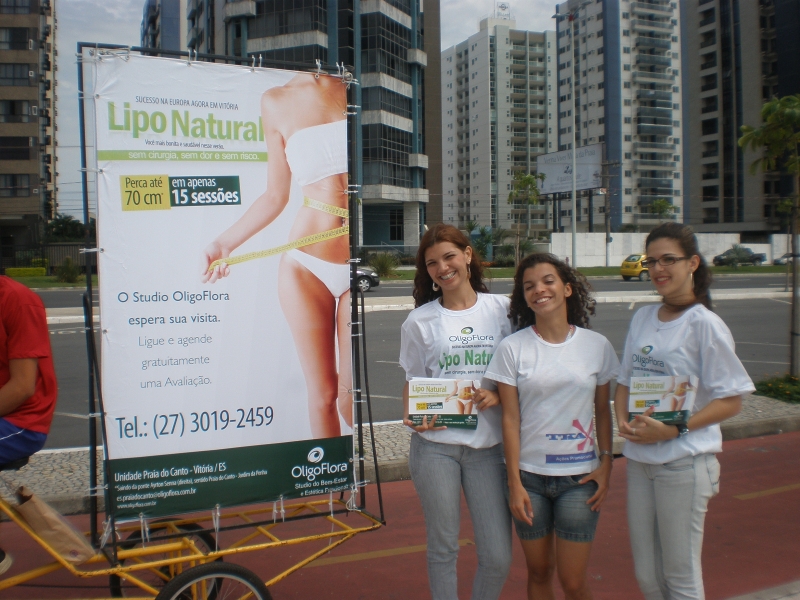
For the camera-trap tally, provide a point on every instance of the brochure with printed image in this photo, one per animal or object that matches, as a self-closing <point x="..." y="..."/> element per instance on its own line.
<point x="450" y="400"/>
<point x="672" y="396"/>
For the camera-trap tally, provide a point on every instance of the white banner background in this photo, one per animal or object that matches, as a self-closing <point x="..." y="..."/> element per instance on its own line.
<point x="252" y="361"/>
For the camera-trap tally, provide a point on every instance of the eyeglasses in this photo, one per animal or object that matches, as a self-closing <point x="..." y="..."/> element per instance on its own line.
<point x="664" y="261"/>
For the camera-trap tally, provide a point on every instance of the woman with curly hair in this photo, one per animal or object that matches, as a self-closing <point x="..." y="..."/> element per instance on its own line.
<point x="553" y="377"/>
<point x="452" y="334"/>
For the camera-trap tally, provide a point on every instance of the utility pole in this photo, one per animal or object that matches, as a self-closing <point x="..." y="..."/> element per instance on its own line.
<point x="606" y="181"/>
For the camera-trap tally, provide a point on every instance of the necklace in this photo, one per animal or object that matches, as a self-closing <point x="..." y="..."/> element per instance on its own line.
<point x="569" y="335"/>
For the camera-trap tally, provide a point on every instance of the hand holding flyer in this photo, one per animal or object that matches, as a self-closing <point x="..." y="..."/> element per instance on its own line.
<point x="671" y="397"/>
<point x="450" y="400"/>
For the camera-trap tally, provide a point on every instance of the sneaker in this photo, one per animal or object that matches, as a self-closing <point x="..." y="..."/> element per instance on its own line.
<point x="5" y="562"/>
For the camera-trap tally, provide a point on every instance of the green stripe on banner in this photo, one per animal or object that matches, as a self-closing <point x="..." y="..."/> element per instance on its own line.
<point x="182" y="155"/>
<point x="159" y="486"/>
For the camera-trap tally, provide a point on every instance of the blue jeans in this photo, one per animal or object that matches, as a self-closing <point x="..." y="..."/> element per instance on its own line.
<point x="439" y="472"/>
<point x="667" y="507"/>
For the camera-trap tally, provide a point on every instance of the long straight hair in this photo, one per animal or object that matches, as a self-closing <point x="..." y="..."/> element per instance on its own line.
<point x="684" y="236"/>
<point x="423" y="284"/>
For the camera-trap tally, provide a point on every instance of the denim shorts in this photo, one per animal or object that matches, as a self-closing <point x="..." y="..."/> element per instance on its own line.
<point x="558" y="502"/>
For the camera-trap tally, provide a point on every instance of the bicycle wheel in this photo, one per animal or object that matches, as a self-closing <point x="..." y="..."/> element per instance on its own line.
<point x="221" y="581"/>
<point x="158" y="577"/>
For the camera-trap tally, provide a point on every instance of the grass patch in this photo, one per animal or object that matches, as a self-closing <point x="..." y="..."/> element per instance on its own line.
<point x="751" y="269"/>
<point x="785" y="388"/>
<point x="51" y="281"/>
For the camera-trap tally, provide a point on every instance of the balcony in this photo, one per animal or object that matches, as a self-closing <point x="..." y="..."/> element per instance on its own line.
<point x="710" y="108"/>
<point x="191" y="37"/>
<point x="649" y="76"/>
<point x="654" y="129"/>
<point x="653" y="59"/>
<point x="711" y="153"/>
<point x="708" y="21"/>
<point x="708" y="87"/>
<point x="644" y="217"/>
<point x="191" y="8"/>
<point x="654" y="164"/>
<point x="707" y="43"/>
<point x="647" y="199"/>
<point x="656" y="182"/>
<point x="659" y="113"/>
<point x="651" y="42"/>
<point x="648" y="8"/>
<point x="647" y="25"/>
<point x="653" y="95"/>
<point x="711" y="175"/>
<point x="710" y="64"/>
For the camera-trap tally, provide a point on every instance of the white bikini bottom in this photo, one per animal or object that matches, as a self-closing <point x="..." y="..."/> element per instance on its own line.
<point x="335" y="277"/>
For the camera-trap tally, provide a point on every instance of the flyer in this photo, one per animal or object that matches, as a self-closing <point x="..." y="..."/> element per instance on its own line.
<point x="672" y="397"/>
<point x="450" y="400"/>
<point x="225" y="290"/>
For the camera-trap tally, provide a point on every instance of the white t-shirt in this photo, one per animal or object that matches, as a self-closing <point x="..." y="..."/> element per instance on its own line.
<point x="447" y="344"/>
<point x="556" y="384"/>
<point x="696" y="343"/>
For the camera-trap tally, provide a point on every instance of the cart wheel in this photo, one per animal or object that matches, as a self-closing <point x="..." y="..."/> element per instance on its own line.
<point x="157" y="577"/>
<point x="215" y="580"/>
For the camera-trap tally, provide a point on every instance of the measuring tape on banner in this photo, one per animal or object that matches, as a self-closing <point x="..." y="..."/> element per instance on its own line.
<point x="299" y="243"/>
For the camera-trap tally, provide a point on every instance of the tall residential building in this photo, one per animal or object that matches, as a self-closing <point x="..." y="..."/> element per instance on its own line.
<point x="619" y="70"/>
<point x="383" y="41"/>
<point x="498" y="114"/>
<point x="742" y="55"/>
<point x="164" y="24"/>
<point x="27" y="111"/>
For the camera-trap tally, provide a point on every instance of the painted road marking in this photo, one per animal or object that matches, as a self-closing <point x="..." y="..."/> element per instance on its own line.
<point x="769" y="492"/>
<point x="762" y="344"/>
<point x="765" y="362"/>
<point x="378" y="554"/>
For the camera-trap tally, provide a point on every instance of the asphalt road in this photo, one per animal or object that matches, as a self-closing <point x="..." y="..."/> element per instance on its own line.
<point x="61" y="298"/>
<point x="759" y="328"/>
<point x="602" y="284"/>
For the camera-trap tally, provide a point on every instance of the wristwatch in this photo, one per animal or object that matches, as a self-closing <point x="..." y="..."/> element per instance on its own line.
<point x="682" y="429"/>
<point x="605" y="453"/>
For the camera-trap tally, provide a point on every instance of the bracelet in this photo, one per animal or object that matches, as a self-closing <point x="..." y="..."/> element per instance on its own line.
<point x="605" y="453"/>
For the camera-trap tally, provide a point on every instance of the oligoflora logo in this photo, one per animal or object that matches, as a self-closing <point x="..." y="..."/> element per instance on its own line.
<point x="643" y="359"/>
<point x="467" y="335"/>
<point x="310" y="473"/>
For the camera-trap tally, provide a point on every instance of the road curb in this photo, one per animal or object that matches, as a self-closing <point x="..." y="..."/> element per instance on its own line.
<point x="756" y="428"/>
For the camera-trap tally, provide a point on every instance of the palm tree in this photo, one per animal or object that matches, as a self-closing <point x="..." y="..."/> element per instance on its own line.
<point x="778" y="139"/>
<point x="525" y="188"/>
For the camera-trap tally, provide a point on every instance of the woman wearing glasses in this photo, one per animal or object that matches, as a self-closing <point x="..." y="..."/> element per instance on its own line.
<point x="672" y="469"/>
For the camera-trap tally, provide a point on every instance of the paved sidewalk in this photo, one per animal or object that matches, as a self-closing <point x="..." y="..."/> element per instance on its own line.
<point x="61" y="477"/>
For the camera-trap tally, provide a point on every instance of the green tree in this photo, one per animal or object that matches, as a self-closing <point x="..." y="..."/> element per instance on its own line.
<point x="65" y="228"/>
<point x="778" y="141"/>
<point x="525" y="189"/>
<point x="738" y="255"/>
<point x="662" y="208"/>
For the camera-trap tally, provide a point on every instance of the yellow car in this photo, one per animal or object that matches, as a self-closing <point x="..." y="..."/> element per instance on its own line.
<point x="632" y="267"/>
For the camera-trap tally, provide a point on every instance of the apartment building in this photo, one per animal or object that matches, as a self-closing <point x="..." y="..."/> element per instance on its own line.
<point x="164" y="24"/>
<point x="27" y="111"/>
<point x="619" y="73"/>
<point x="384" y="42"/>
<point x="737" y="50"/>
<point x="498" y="114"/>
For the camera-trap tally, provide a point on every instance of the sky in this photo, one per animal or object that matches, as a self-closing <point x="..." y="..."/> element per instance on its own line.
<point x="119" y="22"/>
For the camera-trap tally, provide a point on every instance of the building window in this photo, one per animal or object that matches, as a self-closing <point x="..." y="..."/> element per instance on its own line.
<point x="628" y="191"/>
<point x="14" y="185"/>
<point x="627" y="102"/>
<point x="626" y="84"/>
<point x="628" y="120"/>
<point x="377" y="98"/>
<point x="626" y="50"/>
<point x="628" y="174"/>
<point x="14" y="74"/>
<point x="628" y="138"/>
<point x="396" y="225"/>
<point x="14" y="111"/>
<point x="15" y="7"/>
<point x="16" y="148"/>
<point x="628" y="155"/>
<point x="13" y="38"/>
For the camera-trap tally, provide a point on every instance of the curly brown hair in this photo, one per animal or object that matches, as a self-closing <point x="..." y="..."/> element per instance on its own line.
<point x="580" y="305"/>
<point x="423" y="284"/>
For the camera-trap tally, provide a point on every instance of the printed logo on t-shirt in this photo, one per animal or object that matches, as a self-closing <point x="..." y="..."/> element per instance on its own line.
<point x="646" y="362"/>
<point x="467" y="335"/>
<point x="580" y="444"/>
<point x="647" y="350"/>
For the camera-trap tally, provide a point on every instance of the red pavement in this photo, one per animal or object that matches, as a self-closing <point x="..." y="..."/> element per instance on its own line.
<point x="752" y="533"/>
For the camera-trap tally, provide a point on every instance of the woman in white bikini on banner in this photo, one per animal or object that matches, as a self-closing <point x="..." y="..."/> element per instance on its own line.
<point x="305" y="129"/>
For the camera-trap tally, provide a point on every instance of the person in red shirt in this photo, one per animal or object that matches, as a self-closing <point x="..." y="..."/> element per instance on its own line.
<point x="28" y="386"/>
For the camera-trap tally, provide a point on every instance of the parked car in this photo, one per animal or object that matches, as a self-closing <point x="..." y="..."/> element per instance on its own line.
<point x="782" y="260"/>
<point x="632" y="267"/>
<point x="367" y="278"/>
<point x="747" y="257"/>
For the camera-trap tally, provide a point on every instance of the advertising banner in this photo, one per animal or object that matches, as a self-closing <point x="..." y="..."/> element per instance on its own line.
<point x="224" y="283"/>
<point x="557" y="169"/>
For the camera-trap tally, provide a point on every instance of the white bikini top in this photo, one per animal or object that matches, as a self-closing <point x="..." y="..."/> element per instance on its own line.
<point x="317" y="152"/>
